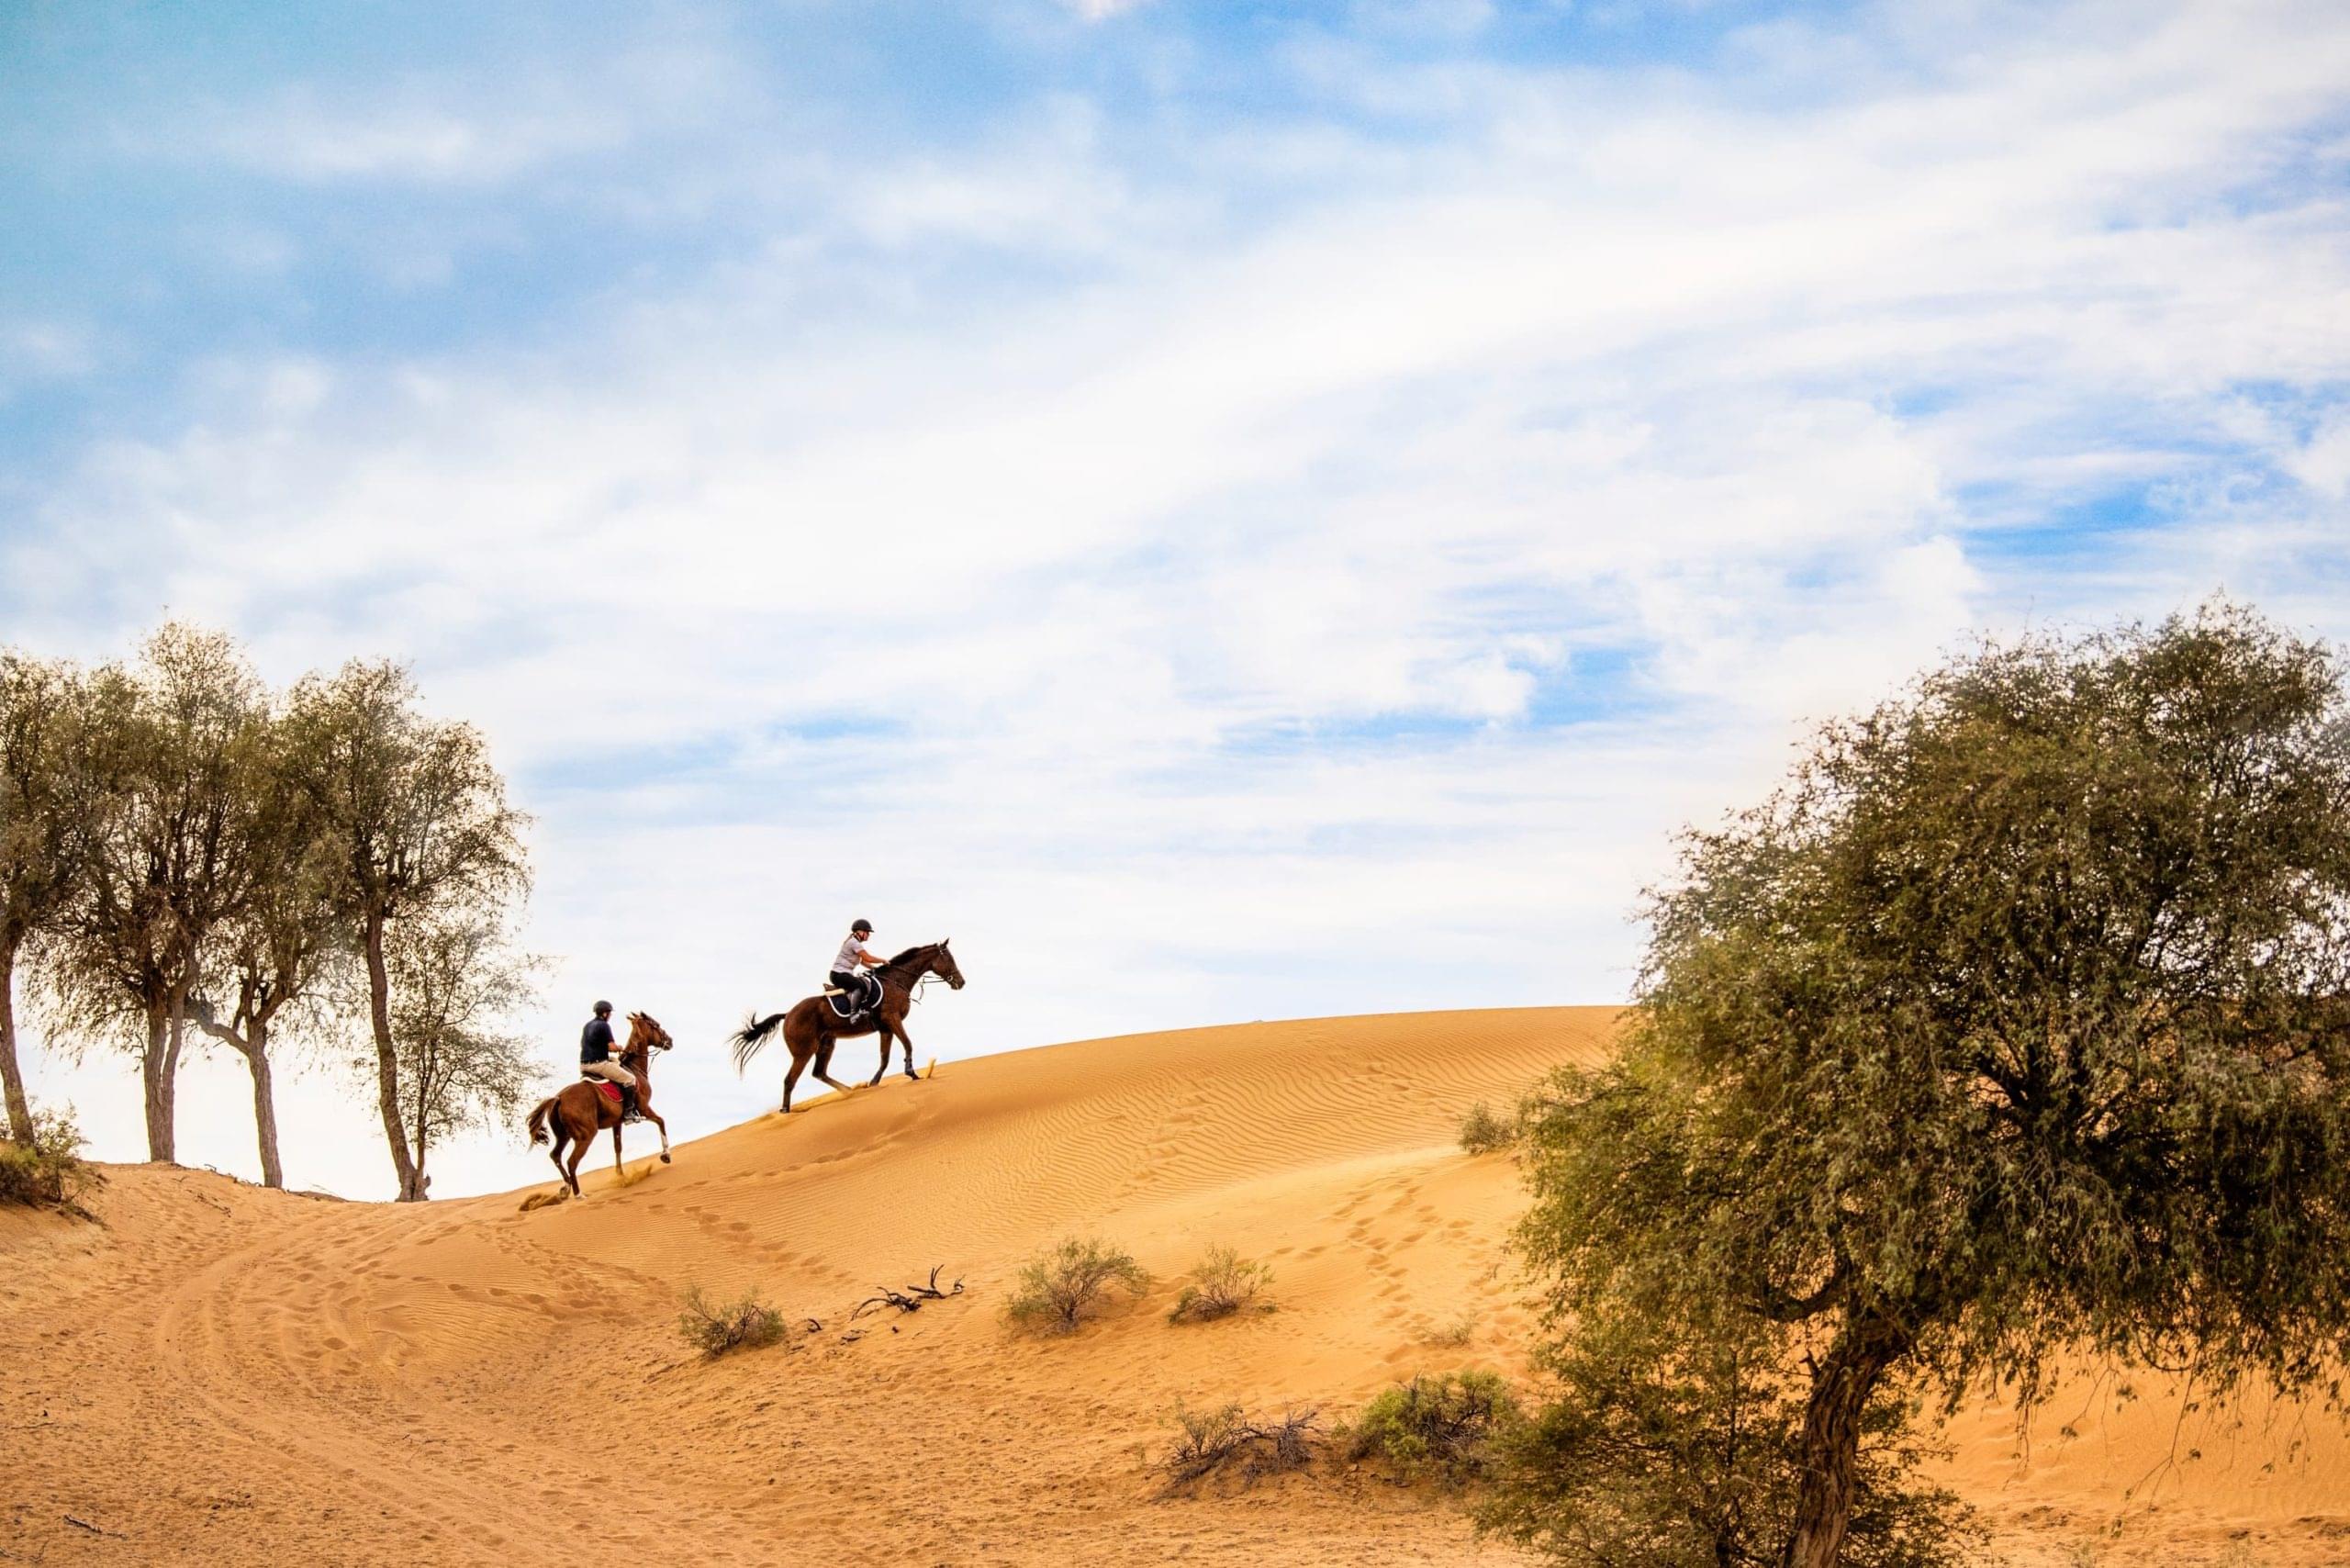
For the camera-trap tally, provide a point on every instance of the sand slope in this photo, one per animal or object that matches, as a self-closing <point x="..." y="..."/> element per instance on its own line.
<point x="225" y="1374"/>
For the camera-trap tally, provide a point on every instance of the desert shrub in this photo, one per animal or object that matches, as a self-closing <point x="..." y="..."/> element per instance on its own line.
<point x="716" y="1328"/>
<point x="1221" y="1285"/>
<point x="1059" y="1289"/>
<point x="1225" y="1442"/>
<point x="1484" y="1131"/>
<point x="1439" y="1427"/>
<point x="1456" y="1334"/>
<point x="48" y="1173"/>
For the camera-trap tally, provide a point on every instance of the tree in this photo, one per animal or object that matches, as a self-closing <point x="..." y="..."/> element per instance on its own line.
<point x="454" y="983"/>
<point x="2014" y="1022"/>
<point x="279" y="956"/>
<point x="420" y="830"/>
<point x="169" y="771"/>
<point x="39" y="838"/>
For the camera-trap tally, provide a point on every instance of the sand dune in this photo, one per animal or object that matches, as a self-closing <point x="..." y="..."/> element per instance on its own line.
<point x="225" y="1374"/>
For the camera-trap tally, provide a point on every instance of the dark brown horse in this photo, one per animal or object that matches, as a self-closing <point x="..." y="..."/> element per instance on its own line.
<point x="582" y="1110"/>
<point x="811" y="1026"/>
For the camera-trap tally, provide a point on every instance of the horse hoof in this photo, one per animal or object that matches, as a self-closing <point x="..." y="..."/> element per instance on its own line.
<point x="665" y="1157"/>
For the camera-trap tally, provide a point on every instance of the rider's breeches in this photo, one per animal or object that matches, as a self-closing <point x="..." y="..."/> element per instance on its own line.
<point x="610" y="1070"/>
<point x="844" y="980"/>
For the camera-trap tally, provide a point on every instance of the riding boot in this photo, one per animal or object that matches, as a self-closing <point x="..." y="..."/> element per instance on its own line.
<point x="628" y="1104"/>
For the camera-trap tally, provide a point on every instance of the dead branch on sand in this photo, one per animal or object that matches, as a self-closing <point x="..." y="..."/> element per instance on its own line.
<point x="1227" y="1442"/>
<point x="909" y="1299"/>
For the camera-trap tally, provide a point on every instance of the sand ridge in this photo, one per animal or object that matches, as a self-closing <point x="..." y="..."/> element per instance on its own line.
<point x="227" y="1374"/>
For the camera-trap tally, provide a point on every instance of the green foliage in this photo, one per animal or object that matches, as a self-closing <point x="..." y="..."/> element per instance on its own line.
<point x="717" y="1328"/>
<point x="48" y="1171"/>
<point x="1221" y="1285"/>
<point x="1059" y="1289"/>
<point x="456" y="986"/>
<point x="2013" y="1024"/>
<point x="1224" y="1442"/>
<point x="1685" y="1453"/>
<point x="1439" y="1426"/>
<point x="1483" y="1132"/>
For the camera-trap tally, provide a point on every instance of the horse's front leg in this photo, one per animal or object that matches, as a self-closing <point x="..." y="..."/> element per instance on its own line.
<point x="660" y="1124"/>
<point x="908" y="1041"/>
<point x="883" y="1065"/>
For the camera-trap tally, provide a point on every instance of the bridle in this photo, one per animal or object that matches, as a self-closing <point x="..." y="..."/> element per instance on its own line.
<point x="921" y="982"/>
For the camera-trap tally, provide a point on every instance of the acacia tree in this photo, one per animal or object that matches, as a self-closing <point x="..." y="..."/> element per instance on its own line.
<point x="455" y="982"/>
<point x="38" y="837"/>
<point x="418" y="828"/>
<point x="280" y="956"/>
<point x="170" y="765"/>
<point x="2015" y="1023"/>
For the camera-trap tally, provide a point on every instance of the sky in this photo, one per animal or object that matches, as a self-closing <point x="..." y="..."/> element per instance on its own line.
<point x="1227" y="511"/>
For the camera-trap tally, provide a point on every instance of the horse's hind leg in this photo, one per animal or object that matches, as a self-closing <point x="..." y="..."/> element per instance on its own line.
<point x="824" y="1063"/>
<point x="570" y="1172"/>
<point x="562" y="1136"/>
<point x="616" y="1151"/>
<point x="799" y="1065"/>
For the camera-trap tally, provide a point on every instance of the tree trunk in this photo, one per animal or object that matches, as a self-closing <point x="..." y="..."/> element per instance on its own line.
<point x="12" y="1078"/>
<point x="155" y="1077"/>
<point x="423" y="1087"/>
<point x="387" y="1064"/>
<point x="254" y="1046"/>
<point x="272" y="1174"/>
<point x="1840" y="1388"/>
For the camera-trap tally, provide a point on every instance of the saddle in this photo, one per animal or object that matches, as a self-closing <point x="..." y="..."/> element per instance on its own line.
<point x="854" y="1003"/>
<point x="625" y="1098"/>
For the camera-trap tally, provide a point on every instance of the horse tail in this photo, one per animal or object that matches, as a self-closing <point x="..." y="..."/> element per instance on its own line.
<point x="539" y="1120"/>
<point x="753" y="1034"/>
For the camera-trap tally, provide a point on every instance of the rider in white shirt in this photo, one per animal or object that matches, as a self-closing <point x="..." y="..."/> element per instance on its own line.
<point x="854" y="957"/>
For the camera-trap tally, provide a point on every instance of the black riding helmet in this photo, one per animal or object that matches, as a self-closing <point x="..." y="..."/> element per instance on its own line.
<point x="863" y="928"/>
<point x="602" y="1008"/>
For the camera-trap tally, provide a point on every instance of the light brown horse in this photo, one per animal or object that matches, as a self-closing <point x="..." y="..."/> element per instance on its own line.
<point x="811" y="1026"/>
<point x="582" y="1110"/>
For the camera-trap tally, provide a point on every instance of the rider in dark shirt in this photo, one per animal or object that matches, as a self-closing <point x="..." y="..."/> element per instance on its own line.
<point x="596" y="1050"/>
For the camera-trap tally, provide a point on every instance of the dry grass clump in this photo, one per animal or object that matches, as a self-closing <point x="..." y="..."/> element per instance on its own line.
<point x="1437" y="1427"/>
<point x="1059" y="1289"/>
<point x="1483" y="1130"/>
<point x="1224" y="1442"/>
<point x="1221" y="1285"/>
<point x="716" y="1328"/>
<point x="48" y="1173"/>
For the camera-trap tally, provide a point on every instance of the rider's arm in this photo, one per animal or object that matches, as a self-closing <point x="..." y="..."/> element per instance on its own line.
<point x="868" y="959"/>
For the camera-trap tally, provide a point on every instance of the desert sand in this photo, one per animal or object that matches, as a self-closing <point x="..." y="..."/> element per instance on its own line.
<point x="220" y="1373"/>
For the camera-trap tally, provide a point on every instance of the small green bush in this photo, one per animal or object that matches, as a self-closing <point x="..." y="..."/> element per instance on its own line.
<point x="1483" y="1131"/>
<point x="50" y="1172"/>
<point x="1059" y="1289"/>
<point x="1435" y="1425"/>
<point x="716" y="1328"/>
<point x="1221" y="1285"/>
<point x="1224" y="1441"/>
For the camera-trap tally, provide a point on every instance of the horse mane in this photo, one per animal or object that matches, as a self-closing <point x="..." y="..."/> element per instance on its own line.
<point x="910" y="954"/>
